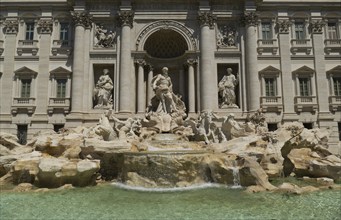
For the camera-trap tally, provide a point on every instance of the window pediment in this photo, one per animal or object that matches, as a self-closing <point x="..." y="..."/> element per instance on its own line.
<point x="304" y="70"/>
<point x="335" y="71"/>
<point x="60" y="72"/>
<point x="25" y="72"/>
<point x="270" y="71"/>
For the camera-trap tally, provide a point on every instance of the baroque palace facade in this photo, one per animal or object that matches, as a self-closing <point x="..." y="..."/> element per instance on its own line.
<point x="284" y="56"/>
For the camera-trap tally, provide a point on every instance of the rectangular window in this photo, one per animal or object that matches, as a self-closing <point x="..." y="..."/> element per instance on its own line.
<point x="64" y="32"/>
<point x="266" y="31"/>
<point x="308" y="125"/>
<point x="272" y="126"/>
<point x="332" y="31"/>
<point x="22" y="134"/>
<point x="25" y="88"/>
<point x="337" y="86"/>
<point x="61" y="88"/>
<point x="299" y="31"/>
<point x="29" y="31"/>
<point x="57" y="127"/>
<point x="339" y="126"/>
<point x="270" y="87"/>
<point x="305" y="86"/>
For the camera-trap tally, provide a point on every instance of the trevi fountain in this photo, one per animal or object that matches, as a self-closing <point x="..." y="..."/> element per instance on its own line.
<point x="170" y="165"/>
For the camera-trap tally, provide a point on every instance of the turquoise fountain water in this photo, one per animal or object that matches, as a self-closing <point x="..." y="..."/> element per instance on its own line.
<point x="206" y="202"/>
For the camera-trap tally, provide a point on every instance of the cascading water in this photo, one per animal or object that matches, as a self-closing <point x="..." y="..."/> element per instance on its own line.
<point x="236" y="177"/>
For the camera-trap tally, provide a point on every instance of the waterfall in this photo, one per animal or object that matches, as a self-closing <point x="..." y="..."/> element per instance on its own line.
<point x="236" y="177"/>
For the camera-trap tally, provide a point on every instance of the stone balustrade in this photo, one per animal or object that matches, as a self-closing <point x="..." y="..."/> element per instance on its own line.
<point x="23" y="104"/>
<point x="301" y="46"/>
<point x="267" y="46"/>
<point x="27" y="46"/>
<point x="271" y="103"/>
<point x="308" y="103"/>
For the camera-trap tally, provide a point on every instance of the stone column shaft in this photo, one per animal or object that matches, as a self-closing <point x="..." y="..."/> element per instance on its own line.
<point x="141" y="93"/>
<point x="208" y="77"/>
<point x="150" y="92"/>
<point x="251" y="61"/>
<point x="126" y="90"/>
<point x="78" y="69"/>
<point x="191" y="86"/>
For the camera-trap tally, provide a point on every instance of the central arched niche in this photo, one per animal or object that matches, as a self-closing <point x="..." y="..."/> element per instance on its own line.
<point x="165" y="44"/>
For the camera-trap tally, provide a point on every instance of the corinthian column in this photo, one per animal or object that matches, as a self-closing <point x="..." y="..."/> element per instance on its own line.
<point x="208" y="76"/>
<point x="251" y="22"/>
<point x="81" y="20"/>
<point x="141" y="94"/>
<point x="150" y="91"/>
<point x="125" y="91"/>
<point x="191" y="85"/>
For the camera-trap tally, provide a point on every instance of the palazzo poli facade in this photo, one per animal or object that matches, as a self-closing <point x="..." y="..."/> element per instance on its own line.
<point x="62" y="62"/>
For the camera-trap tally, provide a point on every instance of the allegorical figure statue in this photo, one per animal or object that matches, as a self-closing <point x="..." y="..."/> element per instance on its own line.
<point x="163" y="88"/>
<point x="226" y="88"/>
<point x="103" y="91"/>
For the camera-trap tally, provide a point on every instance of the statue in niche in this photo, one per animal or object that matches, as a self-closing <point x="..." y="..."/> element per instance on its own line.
<point x="226" y="37"/>
<point x="165" y="101"/>
<point x="166" y="110"/>
<point x="102" y="94"/>
<point x="103" y="38"/>
<point x="226" y="88"/>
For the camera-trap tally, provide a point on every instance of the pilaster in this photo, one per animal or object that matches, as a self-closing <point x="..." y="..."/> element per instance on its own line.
<point x="285" y="62"/>
<point x="191" y="85"/>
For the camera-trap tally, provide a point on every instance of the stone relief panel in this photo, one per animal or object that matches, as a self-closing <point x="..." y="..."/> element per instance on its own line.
<point x="227" y="36"/>
<point x="104" y="36"/>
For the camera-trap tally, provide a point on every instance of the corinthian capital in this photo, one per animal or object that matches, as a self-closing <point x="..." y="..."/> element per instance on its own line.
<point x="140" y="62"/>
<point x="317" y="26"/>
<point x="191" y="62"/>
<point x="206" y="18"/>
<point x="126" y="18"/>
<point x="250" y="18"/>
<point x="45" y="26"/>
<point x="82" y="18"/>
<point x="11" y="26"/>
<point x="283" y="26"/>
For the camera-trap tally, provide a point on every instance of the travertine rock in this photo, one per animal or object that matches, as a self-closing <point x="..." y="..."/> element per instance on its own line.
<point x="10" y="141"/>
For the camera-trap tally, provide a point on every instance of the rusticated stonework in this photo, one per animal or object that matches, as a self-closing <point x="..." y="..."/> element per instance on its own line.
<point x="250" y="18"/>
<point x="206" y="18"/>
<point x="317" y="26"/>
<point x="11" y="26"/>
<point x="82" y="18"/>
<point x="283" y="26"/>
<point x="126" y="18"/>
<point x="45" y="26"/>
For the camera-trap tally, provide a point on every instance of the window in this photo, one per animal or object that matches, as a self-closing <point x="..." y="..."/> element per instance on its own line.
<point x="29" y="31"/>
<point x="64" y="32"/>
<point x="61" y="88"/>
<point x="337" y="86"/>
<point x="57" y="127"/>
<point x="332" y="31"/>
<point x="272" y="126"/>
<point x="270" y="87"/>
<point x="266" y="31"/>
<point x="339" y="126"/>
<point x="22" y="134"/>
<point x="26" y="88"/>
<point x="299" y="31"/>
<point x="308" y="125"/>
<point x="305" y="87"/>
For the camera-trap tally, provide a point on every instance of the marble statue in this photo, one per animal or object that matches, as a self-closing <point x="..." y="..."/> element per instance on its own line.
<point x="104" y="128"/>
<point x="103" y="38"/>
<point x="226" y="88"/>
<point x="102" y="94"/>
<point x="129" y="128"/>
<point x="166" y="110"/>
<point x="163" y="88"/>
<point x="259" y="121"/>
<point x="230" y="128"/>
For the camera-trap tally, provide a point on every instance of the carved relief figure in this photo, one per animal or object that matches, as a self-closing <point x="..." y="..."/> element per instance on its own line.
<point x="102" y="94"/>
<point x="226" y="88"/>
<point x="226" y="36"/>
<point x="103" y="38"/>
<point x="127" y="129"/>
